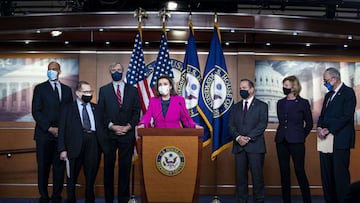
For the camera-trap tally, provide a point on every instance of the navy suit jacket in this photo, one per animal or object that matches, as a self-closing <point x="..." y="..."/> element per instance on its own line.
<point x="252" y="125"/>
<point x="46" y="108"/>
<point x="338" y="117"/>
<point x="110" y="111"/>
<point x="295" y="120"/>
<point x="71" y="130"/>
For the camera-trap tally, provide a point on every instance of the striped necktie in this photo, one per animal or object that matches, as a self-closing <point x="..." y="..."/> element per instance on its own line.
<point x="118" y="95"/>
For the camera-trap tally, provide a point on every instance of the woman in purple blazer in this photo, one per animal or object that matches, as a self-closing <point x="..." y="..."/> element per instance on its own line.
<point x="167" y="109"/>
<point x="295" y="123"/>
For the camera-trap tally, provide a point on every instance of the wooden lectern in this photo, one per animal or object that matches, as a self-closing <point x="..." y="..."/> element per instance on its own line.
<point x="170" y="162"/>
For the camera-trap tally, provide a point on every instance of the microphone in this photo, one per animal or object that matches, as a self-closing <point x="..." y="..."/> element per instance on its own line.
<point x="156" y="117"/>
<point x="186" y="114"/>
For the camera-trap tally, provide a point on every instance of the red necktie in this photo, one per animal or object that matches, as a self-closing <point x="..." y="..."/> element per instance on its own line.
<point x="245" y="108"/>
<point x="118" y="94"/>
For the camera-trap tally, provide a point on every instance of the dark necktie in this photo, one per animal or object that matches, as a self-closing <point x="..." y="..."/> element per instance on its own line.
<point x="56" y="90"/>
<point x="86" y="119"/>
<point x="245" y="108"/>
<point x="118" y="94"/>
<point x="331" y="94"/>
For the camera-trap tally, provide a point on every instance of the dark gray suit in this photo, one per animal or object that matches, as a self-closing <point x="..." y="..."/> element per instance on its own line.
<point x="338" y="117"/>
<point x="128" y="113"/>
<point x="82" y="150"/>
<point x="46" y="109"/>
<point x="252" y="154"/>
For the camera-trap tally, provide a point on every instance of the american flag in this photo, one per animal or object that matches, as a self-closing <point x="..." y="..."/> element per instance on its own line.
<point x="137" y="74"/>
<point x="163" y="65"/>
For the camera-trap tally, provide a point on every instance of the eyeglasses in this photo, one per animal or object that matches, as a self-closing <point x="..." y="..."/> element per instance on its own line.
<point x="327" y="80"/>
<point x="87" y="92"/>
<point x="116" y="70"/>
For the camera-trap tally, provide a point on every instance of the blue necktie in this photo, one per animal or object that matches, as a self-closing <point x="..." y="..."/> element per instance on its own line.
<point x="86" y="119"/>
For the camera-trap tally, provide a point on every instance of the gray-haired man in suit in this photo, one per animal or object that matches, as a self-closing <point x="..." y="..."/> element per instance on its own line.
<point x="336" y="118"/>
<point x="247" y="123"/>
<point x="119" y="107"/>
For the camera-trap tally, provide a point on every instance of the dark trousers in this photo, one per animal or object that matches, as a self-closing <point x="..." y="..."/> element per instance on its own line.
<point x="335" y="175"/>
<point x="47" y="157"/>
<point x="254" y="161"/>
<point x="296" y="151"/>
<point x="125" y="152"/>
<point x="88" y="158"/>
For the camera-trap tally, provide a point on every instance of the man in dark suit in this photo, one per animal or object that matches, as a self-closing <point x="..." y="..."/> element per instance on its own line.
<point x="48" y="100"/>
<point x="120" y="107"/>
<point x="78" y="142"/>
<point x="337" y="119"/>
<point x="247" y="123"/>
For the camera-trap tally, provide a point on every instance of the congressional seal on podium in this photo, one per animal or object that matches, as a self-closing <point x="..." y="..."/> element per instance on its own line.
<point x="170" y="161"/>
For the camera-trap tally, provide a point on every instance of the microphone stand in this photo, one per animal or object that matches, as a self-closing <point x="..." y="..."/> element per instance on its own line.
<point x="216" y="197"/>
<point x="132" y="199"/>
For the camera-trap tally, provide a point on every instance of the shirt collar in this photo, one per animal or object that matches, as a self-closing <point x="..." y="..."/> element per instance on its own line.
<point x="121" y="83"/>
<point x="338" y="88"/>
<point x="249" y="100"/>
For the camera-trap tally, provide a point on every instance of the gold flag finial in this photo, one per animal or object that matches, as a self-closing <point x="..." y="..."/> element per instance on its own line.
<point x="140" y="13"/>
<point x="165" y="15"/>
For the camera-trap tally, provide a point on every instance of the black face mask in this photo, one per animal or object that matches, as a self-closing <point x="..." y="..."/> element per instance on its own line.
<point x="244" y="94"/>
<point x="286" y="90"/>
<point x="86" y="98"/>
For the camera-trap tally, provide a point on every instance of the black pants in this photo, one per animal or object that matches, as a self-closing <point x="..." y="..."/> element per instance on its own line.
<point x="296" y="151"/>
<point x="254" y="161"/>
<point x="125" y="152"/>
<point x="47" y="157"/>
<point x="88" y="158"/>
<point x="335" y="175"/>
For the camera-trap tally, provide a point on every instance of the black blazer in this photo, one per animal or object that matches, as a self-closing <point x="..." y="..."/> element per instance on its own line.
<point x="338" y="117"/>
<point x="110" y="111"/>
<point x="295" y="120"/>
<point x="70" y="129"/>
<point x="252" y="125"/>
<point x="46" y="108"/>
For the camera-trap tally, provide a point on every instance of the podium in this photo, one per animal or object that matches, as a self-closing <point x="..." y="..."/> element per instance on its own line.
<point x="170" y="162"/>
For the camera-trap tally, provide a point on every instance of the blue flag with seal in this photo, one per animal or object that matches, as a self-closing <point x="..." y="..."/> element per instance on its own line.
<point x="190" y="78"/>
<point x="216" y="97"/>
<point x="163" y="62"/>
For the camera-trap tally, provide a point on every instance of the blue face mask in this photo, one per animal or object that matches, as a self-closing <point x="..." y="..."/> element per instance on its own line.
<point x="52" y="74"/>
<point x="328" y="86"/>
<point x="244" y="94"/>
<point x="116" y="76"/>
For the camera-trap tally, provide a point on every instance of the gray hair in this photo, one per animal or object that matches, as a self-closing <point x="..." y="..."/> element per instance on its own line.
<point x="333" y="72"/>
<point x="114" y="64"/>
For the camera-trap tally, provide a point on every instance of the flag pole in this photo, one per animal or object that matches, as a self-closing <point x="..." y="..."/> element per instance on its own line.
<point x="216" y="197"/>
<point x="140" y="13"/>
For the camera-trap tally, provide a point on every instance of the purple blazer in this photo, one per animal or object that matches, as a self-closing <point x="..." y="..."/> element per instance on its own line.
<point x="176" y="114"/>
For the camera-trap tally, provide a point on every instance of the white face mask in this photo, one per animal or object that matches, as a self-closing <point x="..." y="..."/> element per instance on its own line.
<point x="164" y="90"/>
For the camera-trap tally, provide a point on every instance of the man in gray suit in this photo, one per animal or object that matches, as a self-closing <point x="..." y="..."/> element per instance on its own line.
<point x="247" y="123"/>
<point x="119" y="110"/>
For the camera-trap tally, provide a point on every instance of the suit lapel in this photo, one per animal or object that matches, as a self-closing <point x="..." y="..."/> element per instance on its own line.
<point x="251" y="105"/>
<point x="77" y="112"/>
<point x="51" y="89"/>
